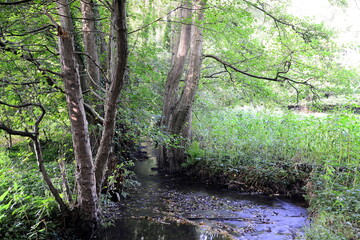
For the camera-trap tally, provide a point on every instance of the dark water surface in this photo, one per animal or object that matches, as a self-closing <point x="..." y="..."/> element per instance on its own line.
<point x="163" y="209"/>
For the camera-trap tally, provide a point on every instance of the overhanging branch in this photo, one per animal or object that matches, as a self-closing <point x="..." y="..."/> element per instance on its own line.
<point x="16" y="132"/>
<point x="278" y="78"/>
<point x="32" y="135"/>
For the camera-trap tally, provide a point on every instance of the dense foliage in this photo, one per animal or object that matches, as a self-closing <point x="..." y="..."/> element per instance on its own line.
<point x="258" y="61"/>
<point x="273" y="151"/>
<point x="28" y="210"/>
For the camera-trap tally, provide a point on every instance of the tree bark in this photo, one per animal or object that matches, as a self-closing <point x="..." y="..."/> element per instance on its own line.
<point x="177" y="112"/>
<point x="92" y="59"/>
<point x="85" y="177"/>
<point x="171" y="95"/>
<point x="117" y="72"/>
<point x="178" y="63"/>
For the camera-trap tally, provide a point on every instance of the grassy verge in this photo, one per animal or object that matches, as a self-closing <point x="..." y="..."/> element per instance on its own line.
<point x="276" y="152"/>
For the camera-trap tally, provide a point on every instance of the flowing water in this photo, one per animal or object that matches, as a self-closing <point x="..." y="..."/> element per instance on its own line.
<point x="164" y="209"/>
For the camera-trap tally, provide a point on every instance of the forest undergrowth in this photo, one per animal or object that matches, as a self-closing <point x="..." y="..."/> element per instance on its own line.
<point x="27" y="208"/>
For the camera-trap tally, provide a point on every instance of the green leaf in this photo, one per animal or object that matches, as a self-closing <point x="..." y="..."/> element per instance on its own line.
<point x="3" y="196"/>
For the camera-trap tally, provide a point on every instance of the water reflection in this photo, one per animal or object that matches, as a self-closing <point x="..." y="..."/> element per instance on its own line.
<point x="146" y="229"/>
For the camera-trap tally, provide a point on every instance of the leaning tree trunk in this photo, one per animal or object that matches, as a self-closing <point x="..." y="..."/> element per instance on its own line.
<point x="177" y="116"/>
<point x="118" y="61"/>
<point x="85" y="175"/>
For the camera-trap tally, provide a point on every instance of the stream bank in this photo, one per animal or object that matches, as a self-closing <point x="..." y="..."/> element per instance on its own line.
<point x="163" y="208"/>
<point x="280" y="179"/>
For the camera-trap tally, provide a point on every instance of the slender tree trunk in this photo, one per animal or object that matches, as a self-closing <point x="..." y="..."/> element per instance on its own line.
<point x="38" y="152"/>
<point x="34" y="136"/>
<point x="92" y="59"/>
<point x="177" y="114"/>
<point x="183" y="107"/>
<point x="92" y="66"/>
<point x="85" y="174"/>
<point x="118" y="61"/>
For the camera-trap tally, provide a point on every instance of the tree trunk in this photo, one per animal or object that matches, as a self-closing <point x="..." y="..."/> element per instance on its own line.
<point x="117" y="71"/>
<point x="177" y="114"/>
<point x="85" y="174"/>
<point x="92" y="59"/>
<point x="178" y="63"/>
<point x="180" y="52"/>
<point x="92" y="68"/>
<point x="38" y="152"/>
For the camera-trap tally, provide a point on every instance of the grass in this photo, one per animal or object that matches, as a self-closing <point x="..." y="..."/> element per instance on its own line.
<point x="279" y="152"/>
<point x="27" y="209"/>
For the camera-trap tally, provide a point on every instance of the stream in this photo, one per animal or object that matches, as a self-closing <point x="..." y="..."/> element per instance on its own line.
<point x="164" y="209"/>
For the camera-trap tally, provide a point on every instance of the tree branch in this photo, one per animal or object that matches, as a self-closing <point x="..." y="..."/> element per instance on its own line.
<point x="34" y="136"/>
<point x="21" y="84"/>
<point x="31" y="32"/>
<point x="16" y="132"/>
<point x="277" y="78"/>
<point x="36" y="124"/>
<point x="156" y="20"/>
<point x="213" y="75"/>
<point x="97" y="65"/>
<point x="301" y="31"/>
<point x="14" y="3"/>
<point x="226" y="64"/>
<point x="5" y="47"/>
<point x="93" y="113"/>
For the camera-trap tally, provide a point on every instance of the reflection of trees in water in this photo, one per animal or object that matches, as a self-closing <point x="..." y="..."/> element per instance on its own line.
<point x="149" y="229"/>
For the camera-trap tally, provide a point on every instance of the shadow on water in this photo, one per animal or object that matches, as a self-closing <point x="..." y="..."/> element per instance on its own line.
<point x="163" y="209"/>
<point x="130" y="229"/>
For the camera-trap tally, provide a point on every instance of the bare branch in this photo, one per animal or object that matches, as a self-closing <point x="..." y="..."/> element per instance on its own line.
<point x="213" y="75"/>
<point x="31" y="32"/>
<point x="240" y="71"/>
<point x="97" y="65"/>
<point x="12" y="83"/>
